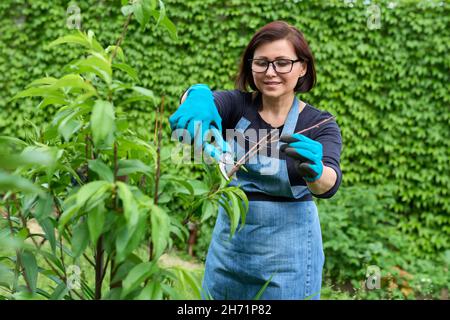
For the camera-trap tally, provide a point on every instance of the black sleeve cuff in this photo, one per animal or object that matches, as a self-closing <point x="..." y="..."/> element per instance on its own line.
<point x="333" y="189"/>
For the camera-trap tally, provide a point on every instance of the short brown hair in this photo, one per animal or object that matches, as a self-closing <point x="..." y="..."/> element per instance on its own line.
<point x="273" y="31"/>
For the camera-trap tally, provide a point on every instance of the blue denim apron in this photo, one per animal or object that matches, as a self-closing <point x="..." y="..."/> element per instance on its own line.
<point x="280" y="241"/>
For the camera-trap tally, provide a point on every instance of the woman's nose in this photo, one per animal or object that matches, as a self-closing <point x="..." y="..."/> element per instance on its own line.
<point x="271" y="69"/>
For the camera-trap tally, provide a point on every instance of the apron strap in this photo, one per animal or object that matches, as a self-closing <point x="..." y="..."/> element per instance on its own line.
<point x="292" y="117"/>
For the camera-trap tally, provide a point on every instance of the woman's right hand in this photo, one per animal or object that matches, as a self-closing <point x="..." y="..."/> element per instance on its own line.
<point x="198" y="106"/>
<point x="197" y="110"/>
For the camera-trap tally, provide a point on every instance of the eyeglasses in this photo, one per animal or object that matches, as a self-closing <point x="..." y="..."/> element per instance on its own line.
<point x="279" y="65"/>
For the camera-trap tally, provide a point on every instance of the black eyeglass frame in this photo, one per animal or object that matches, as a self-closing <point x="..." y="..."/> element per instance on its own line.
<point x="273" y="65"/>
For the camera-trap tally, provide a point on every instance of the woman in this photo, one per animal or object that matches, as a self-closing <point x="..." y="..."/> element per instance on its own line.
<point x="280" y="243"/>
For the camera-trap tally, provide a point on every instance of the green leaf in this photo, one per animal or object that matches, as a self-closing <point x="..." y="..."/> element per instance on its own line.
<point x="128" y="239"/>
<point x="127" y="69"/>
<point x="49" y="229"/>
<point x="124" y="268"/>
<point x="6" y="276"/>
<point x="54" y="259"/>
<point x="137" y="275"/>
<point x="127" y="10"/>
<point x="75" y="38"/>
<point x="80" y="238"/>
<point x="135" y="98"/>
<point x="119" y="52"/>
<point x="142" y="10"/>
<point x="79" y="38"/>
<point x="31" y="269"/>
<point x="171" y="292"/>
<point x="139" y="145"/>
<point x="72" y="81"/>
<point x="44" y="91"/>
<point x="181" y="182"/>
<point x="30" y="156"/>
<point x="43" y="156"/>
<point x="9" y="182"/>
<point x="92" y="192"/>
<point x="131" y="211"/>
<point x="162" y="12"/>
<point x="127" y="167"/>
<point x="23" y="234"/>
<point x="87" y="291"/>
<point x="232" y="214"/>
<point x="263" y="288"/>
<point x="242" y="204"/>
<point x="209" y="209"/>
<point x="60" y="291"/>
<point x="144" y="92"/>
<point x="42" y="82"/>
<point x="69" y="126"/>
<point x="6" y="140"/>
<point x="66" y="216"/>
<point x="96" y="64"/>
<point x="55" y="99"/>
<point x="186" y="282"/>
<point x="236" y="208"/>
<point x="160" y="230"/>
<point x="102" y="123"/>
<point x="200" y="187"/>
<point x="167" y="23"/>
<point x="96" y="221"/>
<point x="100" y="168"/>
<point x="151" y="291"/>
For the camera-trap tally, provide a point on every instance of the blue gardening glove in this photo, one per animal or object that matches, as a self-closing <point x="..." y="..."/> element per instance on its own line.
<point x="308" y="154"/>
<point x="198" y="106"/>
<point x="217" y="149"/>
<point x="199" y="111"/>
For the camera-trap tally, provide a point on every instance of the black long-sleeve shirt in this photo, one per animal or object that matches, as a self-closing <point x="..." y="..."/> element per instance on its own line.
<point x="233" y="104"/>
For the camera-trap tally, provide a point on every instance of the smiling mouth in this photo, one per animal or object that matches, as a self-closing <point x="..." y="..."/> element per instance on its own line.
<point x="271" y="83"/>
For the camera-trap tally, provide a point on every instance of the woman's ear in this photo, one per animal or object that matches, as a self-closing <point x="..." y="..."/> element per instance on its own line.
<point x="304" y="69"/>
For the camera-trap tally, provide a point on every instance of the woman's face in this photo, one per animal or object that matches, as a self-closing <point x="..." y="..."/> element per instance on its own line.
<point x="271" y="83"/>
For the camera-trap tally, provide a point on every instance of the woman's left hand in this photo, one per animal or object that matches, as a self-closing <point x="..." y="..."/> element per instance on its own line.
<point x="308" y="154"/>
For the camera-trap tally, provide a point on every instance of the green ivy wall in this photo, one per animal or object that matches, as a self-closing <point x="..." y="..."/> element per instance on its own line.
<point x="388" y="87"/>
